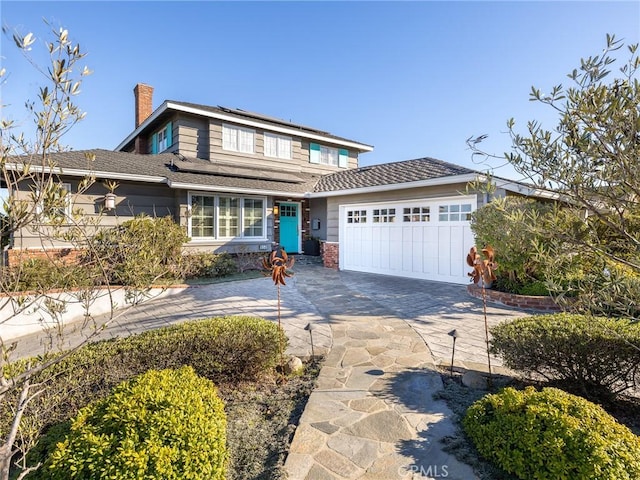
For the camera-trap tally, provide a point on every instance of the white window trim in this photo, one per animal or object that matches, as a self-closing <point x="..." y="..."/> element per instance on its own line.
<point x="328" y="151"/>
<point x="39" y="209"/>
<point x="216" y="234"/>
<point x="284" y="155"/>
<point x="239" y="129"/>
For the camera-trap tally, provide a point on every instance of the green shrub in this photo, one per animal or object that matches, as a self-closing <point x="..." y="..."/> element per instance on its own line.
<point x="596" y="355"/>
<point x="43" y="274"/>
<point x="228" y="349"/>
<point x="162" y="425"/>
<point x="141" y="251"/>
<point x="224" y="350"/>
<point x="552" y="435"/>
<point x="511" y="226"/>
<point x="207" y="264"/>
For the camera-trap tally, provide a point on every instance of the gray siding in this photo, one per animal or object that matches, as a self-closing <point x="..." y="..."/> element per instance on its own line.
<point x="202" y="138"/>
<point x="131" y="199"/>
<point x="318" y="210"/>
<point x="191" y="134"/>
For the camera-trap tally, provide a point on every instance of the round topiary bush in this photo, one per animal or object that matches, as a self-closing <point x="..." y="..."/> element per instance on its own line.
<point x="551" y="434"/>
<point x="162" y="425"/>
<point x="596" y="356"/>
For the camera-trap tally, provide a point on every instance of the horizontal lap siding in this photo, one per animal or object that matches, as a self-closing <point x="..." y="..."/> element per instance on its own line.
<point x="192" y="136"/>
<point x="254" y="160"/>
<point x="131" y="199"/>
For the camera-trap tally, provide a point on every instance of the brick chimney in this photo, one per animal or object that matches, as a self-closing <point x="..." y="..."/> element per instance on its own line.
<point x="144" y="102"/>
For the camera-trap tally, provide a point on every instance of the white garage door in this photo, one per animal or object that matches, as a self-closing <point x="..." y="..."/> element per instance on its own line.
<point x="427" y="239"/>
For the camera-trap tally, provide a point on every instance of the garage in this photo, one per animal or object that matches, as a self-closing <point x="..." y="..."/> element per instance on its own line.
<point x="427" y="239"/>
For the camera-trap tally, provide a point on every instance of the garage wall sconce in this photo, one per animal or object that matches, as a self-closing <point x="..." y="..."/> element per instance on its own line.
<point x="276" y="209"/>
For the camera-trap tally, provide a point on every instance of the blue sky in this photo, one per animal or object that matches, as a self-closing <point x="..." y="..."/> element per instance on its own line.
<point x="413" y="79"/>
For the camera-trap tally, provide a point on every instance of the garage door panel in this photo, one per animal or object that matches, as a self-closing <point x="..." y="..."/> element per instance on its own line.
<point x="412" y="244"/>
<point x="444" y="251"/>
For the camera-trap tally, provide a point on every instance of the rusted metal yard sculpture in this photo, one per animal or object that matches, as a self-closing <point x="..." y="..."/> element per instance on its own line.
<point x="483" y="275"/>
<point x="278" y="264"/>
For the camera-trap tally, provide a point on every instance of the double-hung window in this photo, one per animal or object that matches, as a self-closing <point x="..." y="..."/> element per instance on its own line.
<point x="277" y="146"/>
<point x="53" y="203"/>
<point x="162" y="139"/>
<point x="224" y="217"/>
<point x="238" y="139"/>
<point x="323" y="155"/>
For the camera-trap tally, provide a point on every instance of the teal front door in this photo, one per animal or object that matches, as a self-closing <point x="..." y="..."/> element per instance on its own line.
<point x="289" y="228"/>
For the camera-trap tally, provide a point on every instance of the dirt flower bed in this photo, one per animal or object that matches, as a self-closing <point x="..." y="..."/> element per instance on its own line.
<point x="261" y="420"/>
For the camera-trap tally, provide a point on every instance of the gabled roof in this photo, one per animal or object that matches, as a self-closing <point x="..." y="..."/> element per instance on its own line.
<point x="243" y="117"/>
<point x="417" y="172"/>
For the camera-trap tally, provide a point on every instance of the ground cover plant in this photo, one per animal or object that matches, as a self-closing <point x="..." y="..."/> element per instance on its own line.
<point x="245" y="379"/>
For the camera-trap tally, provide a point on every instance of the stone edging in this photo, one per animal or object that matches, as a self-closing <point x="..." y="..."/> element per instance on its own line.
<point x="526" y="302"/>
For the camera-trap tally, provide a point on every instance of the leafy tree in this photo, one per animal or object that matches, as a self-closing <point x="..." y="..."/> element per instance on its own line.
<point x="590" y="159"/>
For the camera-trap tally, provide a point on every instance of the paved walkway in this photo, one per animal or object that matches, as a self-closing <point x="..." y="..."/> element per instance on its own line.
<point x="372" y="415"/>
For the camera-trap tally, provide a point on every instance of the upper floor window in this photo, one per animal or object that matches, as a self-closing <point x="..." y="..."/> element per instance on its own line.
<point x="238" y="139"/>
<point x="277" y="146"/>
<point x="328" y="155"/>
<point x="162" y="139"/>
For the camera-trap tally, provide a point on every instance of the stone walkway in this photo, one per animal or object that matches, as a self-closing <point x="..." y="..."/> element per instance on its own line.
<point x="372" y="415"/>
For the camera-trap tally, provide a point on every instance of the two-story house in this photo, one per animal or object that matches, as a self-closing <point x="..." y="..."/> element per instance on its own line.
<point x="240" y="177"/>
<point x="242" y="181"/>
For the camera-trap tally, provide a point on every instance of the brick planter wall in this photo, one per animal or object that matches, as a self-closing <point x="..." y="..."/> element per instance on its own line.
<point x="330" y="254"/>
<point x="64" y="255"/>
<point x="526" y="302"/>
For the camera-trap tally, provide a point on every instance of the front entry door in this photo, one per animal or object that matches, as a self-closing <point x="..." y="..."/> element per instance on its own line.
<point x="289" y="227"/>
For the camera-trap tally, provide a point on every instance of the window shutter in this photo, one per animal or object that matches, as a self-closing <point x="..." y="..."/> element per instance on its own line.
<point x="343" y="158"/>
<point x="154" y="143"/>
<point x="169" y="135"/>
<point x="314" y="153"/>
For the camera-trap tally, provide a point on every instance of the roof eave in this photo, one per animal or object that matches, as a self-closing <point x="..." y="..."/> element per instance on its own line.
<point x="78" y="172"/>
<point x="361" y="147"/>
<point x="219" y="188"/>
<point x="449" y="180"/>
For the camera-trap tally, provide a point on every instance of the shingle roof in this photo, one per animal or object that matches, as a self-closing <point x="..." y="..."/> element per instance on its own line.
<point x="195" y="172"/>
<point x="246" y="115"/>
<point x="390" y="173"/>
<point x="164" y="166"/>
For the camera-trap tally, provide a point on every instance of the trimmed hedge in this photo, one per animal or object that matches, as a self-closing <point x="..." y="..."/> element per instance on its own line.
<point x="162" y="425"/>
<point x="595" y="355"/>
<point x="552" y="435"/>
<point x="224" y="350"/>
